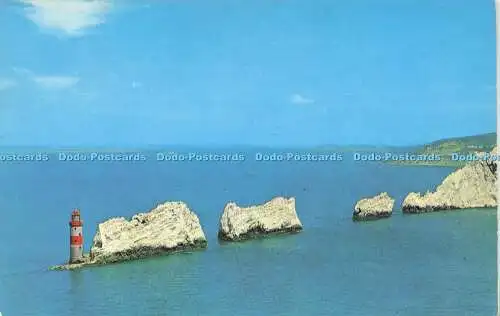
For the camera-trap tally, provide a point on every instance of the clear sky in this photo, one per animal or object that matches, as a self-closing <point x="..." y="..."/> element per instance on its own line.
<point x="263" y="72"/>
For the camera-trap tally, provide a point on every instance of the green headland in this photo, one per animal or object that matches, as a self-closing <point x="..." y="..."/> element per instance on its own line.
<point x="448" y="146"/>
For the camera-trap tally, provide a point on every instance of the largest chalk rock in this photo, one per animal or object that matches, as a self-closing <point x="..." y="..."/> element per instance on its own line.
<point x="472" y="186"/>
<point x="170" y="227"/>
<point x="275" y="216"/>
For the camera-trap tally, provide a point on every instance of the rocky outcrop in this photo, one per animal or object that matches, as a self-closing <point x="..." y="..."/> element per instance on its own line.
<point x="379" y="206"/>
<point x="73" y="266"/>
<point x="275" y="216"/>
<point x="472" y="186"/>
<point x="170" y="227"/>
<point x="493" y="160"/>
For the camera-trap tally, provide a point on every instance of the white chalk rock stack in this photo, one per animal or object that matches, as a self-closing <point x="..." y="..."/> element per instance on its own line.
<point x="170" y="227"/>
<point x="472" y="186"/>
<point x="379" y="206"/>
<point x="273" y="217"/>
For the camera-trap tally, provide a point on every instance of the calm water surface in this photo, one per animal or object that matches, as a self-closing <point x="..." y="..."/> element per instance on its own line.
<point x="430" y="264"/>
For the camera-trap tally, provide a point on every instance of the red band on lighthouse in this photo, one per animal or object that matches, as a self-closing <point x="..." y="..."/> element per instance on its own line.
<point x="76" y="237"/>
<point x="76" y="240"/>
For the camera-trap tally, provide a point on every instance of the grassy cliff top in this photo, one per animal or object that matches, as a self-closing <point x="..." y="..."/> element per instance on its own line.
<point x="447" y="146"/>
<point x="482" y="142"/>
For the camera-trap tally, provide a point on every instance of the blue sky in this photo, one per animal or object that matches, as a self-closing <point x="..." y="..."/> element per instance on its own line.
<point x="262" y="72"/>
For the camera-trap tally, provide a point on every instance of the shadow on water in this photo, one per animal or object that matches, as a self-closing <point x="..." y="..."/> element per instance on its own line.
<point x="265" y="241"/>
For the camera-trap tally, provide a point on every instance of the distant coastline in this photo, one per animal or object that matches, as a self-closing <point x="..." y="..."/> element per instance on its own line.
<point x="449" y="152"/>
<point x="448" y="149"/>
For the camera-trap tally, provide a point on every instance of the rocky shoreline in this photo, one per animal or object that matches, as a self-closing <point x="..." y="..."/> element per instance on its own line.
<point x="73" y="266"/>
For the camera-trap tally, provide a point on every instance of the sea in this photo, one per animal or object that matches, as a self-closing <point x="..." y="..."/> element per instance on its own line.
<point x="441" y="263"/>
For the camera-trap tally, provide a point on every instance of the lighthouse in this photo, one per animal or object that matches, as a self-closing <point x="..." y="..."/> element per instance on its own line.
<point x="76" y="238"/>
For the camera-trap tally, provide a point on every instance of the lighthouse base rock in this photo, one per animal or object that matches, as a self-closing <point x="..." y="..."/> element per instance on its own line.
<point x="170" y="227"/>
<point x="275" y="216"/>
<point x="167" y="228"/>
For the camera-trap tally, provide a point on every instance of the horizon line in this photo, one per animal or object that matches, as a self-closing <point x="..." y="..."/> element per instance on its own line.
<point x="220" y="145"/>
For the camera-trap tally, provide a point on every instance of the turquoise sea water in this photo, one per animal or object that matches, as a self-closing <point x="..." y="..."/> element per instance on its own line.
<point x="429" y="264"/>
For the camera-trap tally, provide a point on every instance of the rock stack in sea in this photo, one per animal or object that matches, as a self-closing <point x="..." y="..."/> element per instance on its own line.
<point x="379" y="206"/>
<point x="472" y="186"/>
<point x="170" y="227"/>
<point x="275" y="216"/>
